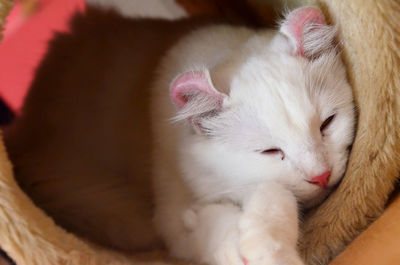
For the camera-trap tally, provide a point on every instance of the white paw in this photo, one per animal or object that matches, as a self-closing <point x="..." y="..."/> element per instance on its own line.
<point x="264" y="246"/>
<point x="258" y="251"/>
<point x="228" y="252"/>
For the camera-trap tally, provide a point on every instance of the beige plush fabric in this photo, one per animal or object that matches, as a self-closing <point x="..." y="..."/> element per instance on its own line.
<point x="371" y="42"/>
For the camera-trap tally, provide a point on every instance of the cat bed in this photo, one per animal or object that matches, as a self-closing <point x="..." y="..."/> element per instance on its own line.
<point x="369" y="34"/>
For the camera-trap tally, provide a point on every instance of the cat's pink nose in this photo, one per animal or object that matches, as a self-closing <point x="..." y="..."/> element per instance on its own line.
<point x="321" y="180"/>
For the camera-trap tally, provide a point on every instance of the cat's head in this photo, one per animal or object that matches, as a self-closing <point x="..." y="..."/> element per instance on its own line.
<point x="287" y="115"/>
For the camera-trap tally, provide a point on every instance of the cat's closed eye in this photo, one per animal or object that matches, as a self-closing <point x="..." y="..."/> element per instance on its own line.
<point x="273" y="151"/>
<point x="326" y="123"/>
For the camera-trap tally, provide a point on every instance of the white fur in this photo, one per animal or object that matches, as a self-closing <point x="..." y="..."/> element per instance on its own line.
<point x="218" y="199"/>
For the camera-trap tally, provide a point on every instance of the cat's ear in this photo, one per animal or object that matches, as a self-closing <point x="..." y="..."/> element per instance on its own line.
<point x="196" y="98"/>
<point x="308" y="33"/>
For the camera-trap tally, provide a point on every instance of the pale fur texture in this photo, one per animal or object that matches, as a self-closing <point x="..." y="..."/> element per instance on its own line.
<point x="219" y="199"/>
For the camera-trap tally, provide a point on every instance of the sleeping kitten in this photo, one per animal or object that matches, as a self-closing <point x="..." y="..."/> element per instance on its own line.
<point x="261" y="122"/>
<point x="254" y="115"/>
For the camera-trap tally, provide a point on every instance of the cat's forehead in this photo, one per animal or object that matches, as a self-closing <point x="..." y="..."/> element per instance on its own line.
<point x="274" y="84"/>
<point x="273" y="80"/>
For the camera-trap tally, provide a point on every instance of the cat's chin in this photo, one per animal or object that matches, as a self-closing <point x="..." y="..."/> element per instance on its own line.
<point x="317" y="199"/>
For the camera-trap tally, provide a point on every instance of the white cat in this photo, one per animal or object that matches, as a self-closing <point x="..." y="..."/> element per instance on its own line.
<point x="262" y="121"/>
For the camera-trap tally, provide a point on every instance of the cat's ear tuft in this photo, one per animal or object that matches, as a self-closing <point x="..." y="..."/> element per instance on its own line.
<point x="195" y="97"/>
<point x="308" y="32"/>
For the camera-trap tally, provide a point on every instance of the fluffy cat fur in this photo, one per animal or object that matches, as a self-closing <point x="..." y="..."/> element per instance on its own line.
<point x="238" y="92"/>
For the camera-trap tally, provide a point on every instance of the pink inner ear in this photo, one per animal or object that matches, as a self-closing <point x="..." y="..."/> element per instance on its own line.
<point x="193" y="82"/>
<point x="296" y="21"/>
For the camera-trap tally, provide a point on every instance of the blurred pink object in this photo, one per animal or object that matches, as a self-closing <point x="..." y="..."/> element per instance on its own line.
<point x="25" y="42"/>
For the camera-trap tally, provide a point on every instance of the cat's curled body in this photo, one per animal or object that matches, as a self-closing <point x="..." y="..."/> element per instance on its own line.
<point x="263" y="121"/>
<point x="255" y="117"/>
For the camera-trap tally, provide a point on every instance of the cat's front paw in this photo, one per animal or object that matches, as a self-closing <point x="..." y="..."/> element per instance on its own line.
<point x="212" y="235"/>
<point x="228" y="252"/>
<point x="269" y="256"/>
<point x="259" y="250"/>
<point x="265" y="247"/>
